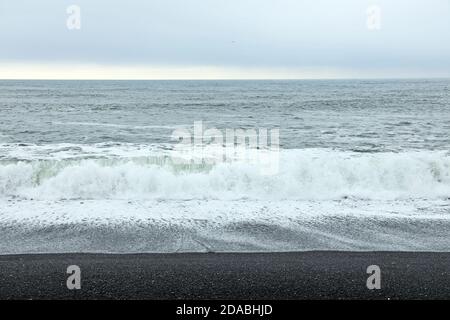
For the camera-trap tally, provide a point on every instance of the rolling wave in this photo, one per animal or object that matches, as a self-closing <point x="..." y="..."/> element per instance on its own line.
<point x="304" y="174"/>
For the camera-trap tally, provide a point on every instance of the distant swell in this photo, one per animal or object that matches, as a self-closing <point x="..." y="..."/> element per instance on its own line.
<point x="304" y="174"/>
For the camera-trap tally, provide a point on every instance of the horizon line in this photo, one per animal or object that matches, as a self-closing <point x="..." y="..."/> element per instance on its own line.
<point x="77" y="71"/>
<point x="230" y="79"/>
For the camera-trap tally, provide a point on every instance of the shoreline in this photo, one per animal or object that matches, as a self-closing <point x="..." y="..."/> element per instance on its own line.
<point x="125" y="226"/>
<point x="249" y="276"/>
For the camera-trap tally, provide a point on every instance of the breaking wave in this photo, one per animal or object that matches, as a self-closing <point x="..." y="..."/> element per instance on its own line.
<point x="304" y="174"/>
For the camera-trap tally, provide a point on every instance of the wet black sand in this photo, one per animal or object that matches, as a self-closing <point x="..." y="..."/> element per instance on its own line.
<point x="297" y="275"/>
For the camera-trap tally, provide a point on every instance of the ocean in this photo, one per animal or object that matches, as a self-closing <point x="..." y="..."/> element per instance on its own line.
<point x="88" y="166"/>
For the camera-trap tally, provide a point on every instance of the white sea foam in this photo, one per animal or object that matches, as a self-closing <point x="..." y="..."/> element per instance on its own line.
<point x="220" y="225"/>
<point x="305" y="174"/>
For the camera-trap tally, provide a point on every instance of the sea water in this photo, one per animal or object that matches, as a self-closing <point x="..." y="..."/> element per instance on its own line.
<point x="88" y="166"/>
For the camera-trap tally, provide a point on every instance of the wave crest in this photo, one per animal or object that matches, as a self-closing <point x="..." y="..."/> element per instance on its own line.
<point x="304" y="174"/>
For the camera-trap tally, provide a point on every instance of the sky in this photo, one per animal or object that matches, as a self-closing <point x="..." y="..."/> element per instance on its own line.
<point x="224" y="39"/>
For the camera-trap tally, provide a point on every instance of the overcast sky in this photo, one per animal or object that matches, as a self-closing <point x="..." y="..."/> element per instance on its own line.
<point x="224" y="39"/>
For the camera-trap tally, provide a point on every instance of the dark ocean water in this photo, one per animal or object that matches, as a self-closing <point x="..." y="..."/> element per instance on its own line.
<point x="87" y="166"/>
<point x="369" y="115"/>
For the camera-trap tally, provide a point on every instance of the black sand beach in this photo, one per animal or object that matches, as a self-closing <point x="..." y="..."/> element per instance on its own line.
<point x="297" y="275"/>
